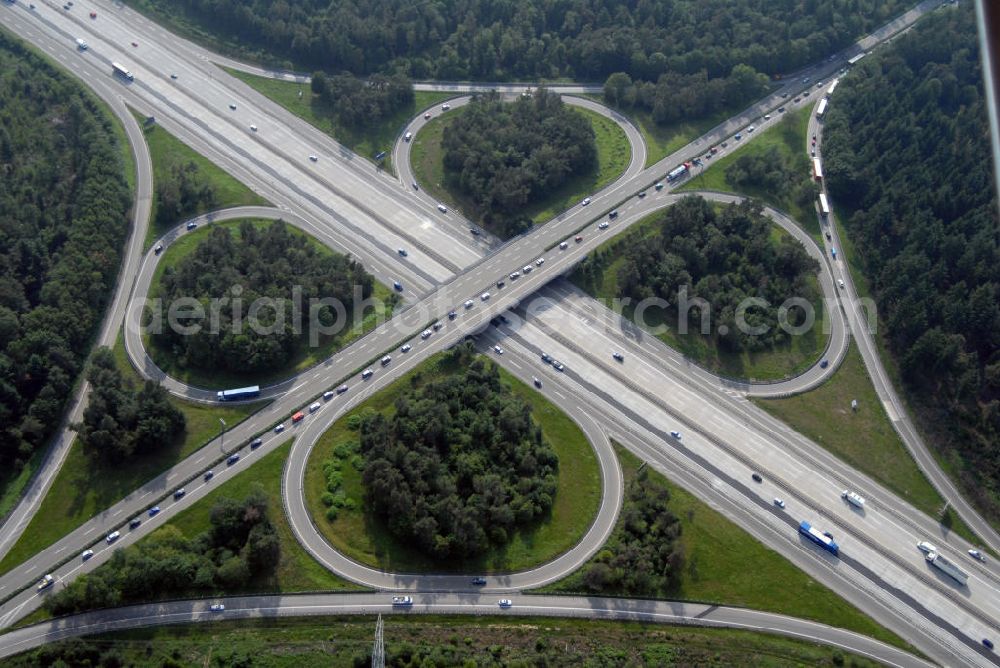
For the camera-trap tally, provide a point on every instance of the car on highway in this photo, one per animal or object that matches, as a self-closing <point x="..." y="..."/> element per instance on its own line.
<point x="452" y="315"/>
<point x="478" y="581"/>
<point x="737" y="136"/>
<point x="402" y="252"/>
<point x="796" y="99"/>
<point x="976" y="554"/>
<point x="218" y="607"/>
<point x="232" y="459"/>
<point x="585" y="202"/>
<point x="840" y="282"/>
<point x="179" y="493"/>
<point x="135" y="44"/>
<point x="153" y="511"/>
<point x="781" y="110"/>
<point x="87" y="554"/>
<point x="603" y="225"/>
<point x="232" y="105"/>
<point x="173" y="76"/>
<point x="824" y="363"/>
<point x="46" y="582"/>
<point x="443" y="209"/>
<point x="93" y="15"/>
<point x="750" y="129"/>
<point x="537" y="381"/>
<point x="366" y="374"/>
<point x="112" y="537"/>
<point x="546" y="358"/>
<point x="424" y="334"/>
<point x="134" y="523"/>
<point x="500" y="284"/>
<point x="397" y="286"/>
<point x="253" y="128"/>
<point x="158" y="249"/>
<point x="514" y="275"/>
<point x="408" y="136"/>
<point x="558" y="366"/>
<point x="280" y="428"/>
<point x="757" y="477"/>
<point x="406" y="348"/>
<point x="415" y="186"/>
<point x="618" y="356"/>
<point x="342" y="389"/>
<point x="498" y="350"/>
<point x="469" y="303"/>
<point x="485" y="296"/>
<point x="613" y="214"/>
<point x="987" y="643"/>
<point x="445" y="107"/>
<point x="209" y="474"/>
<point x="504" y="603"/>
<point x="539" y="262"/>
<point x="779" y="502"/>
<point x="767" y="117"/>
<point x="385" y="360"/>
<point x="256" y="443"/>
<point x="563" y="245"/>
<point x="427" y="115"/>
<point x="402" y="600"/>
<point x="314" y="158"/>
<point x="191" y="226"/>
<point x="578" y="238"/>
<point x="642" y="193"/>
<point x="676" y="434"/>
<point x="474" y="232"/>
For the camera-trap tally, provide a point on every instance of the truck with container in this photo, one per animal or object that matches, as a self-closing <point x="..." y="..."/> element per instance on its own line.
<point x="817" y="170"/>
<point x="122" y="71"/>
<point x="948" y="568"/>
<point x="678" y="172"/>
<point x="821" y="110"/>
<point x="824" y="540"/>
<point x="853" y="498"/>
<point x="239" y="393"/>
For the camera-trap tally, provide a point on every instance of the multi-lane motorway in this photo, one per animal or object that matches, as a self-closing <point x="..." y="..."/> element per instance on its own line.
<point x="369" y="214"/>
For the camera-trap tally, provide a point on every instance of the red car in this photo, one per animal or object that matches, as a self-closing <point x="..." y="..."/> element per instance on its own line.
<point x="93" y="15"/>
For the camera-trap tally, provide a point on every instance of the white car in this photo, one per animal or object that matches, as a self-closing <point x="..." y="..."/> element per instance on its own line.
<point x="468" y="303"/>
<point x="540" y="261"/>
<point x="87" y="554"/>
<point x="218" y="607"/>
<point x="112" y="537"/>
<point x="314" y="406"/>
<point x="445" y="107"/>
<point x="778" y="502"/>
<point x="314" y="158"/>
<point x="484" y="296"/>
<point x="498" y="350"/>
<point x="603" y="225"/>
<point x="402" y="600"/>
<point x="424" y="334"/>
<point x="366" y="374"/>
<point x="514" y="275"/>
<point x="408" y="136"/>
<point x="280" y="428"/>
<point x="840" y="282"/>
<point x="976" y="554"/>
<point x="527" y="268"/>
<point x="442" y="208"/>
<point x="406" y="348"/>
<point x="563" y="246"/>
<point x="926" y="547"/>
<point x="253" y="128"/>
<point x="586" y="201"/>
<point x="505" y="603"/>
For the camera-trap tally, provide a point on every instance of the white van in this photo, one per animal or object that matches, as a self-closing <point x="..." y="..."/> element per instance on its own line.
<point x="408" y="136"/>
<point x="81" y="44"/>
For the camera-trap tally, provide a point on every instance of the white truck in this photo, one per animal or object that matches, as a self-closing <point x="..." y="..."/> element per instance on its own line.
<point x="945" y="566"/>
<point x="853" y="498"/>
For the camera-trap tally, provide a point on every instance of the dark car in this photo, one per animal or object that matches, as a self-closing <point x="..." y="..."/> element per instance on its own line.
<point x="208" y="475"/>
<point x="479" y="582"/>
<point x="134" y="523"/>
<point x="233" y="459"/>
<point x="256" y="443"/>
<point x="452" y="315"/>
<point x="824" y="363"/>
<point x="757" y="477"/>
<point x="500" y="284"/>
<point x="987" y="643"/>
<point x="397" y="286"/>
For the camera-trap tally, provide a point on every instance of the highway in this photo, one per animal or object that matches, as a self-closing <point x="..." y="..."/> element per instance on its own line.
<point x="429" y="264"/>
<point x="300" y="605"/>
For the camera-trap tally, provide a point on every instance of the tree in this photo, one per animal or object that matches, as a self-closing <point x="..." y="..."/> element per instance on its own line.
<point x="616" y="87"/>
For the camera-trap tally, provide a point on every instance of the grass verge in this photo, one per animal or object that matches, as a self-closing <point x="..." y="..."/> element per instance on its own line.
<point x="165" y="151"/>
<point x="715" y="568"/>
<point x="791" y="141"/>
<point x="457" y="640"/>
<point x="613" y="157"/>
<point x="824" y="415"/>
<point x="304" y="357"/>
<point x="786" y="360"/>
<point x="361" y="536"/>
<point x="366" y="141"/>
<point x="82" y="488"/>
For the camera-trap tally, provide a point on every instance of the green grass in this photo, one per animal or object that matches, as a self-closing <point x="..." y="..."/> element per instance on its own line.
<point x="361" y="536"/>
<point x="864" y="438"/>
<point x="83" y="488"/>
<point x="789" y="359"/>
<point x="304" y="356"/>
<point x="297" y="570"/>
<point x="717" y="555"/>
<point x="366" y="141"/>
<point x="613" y="157"/>
<point x="166" y="150"/>
<point x="458" y="640"/>
<point x="791" y="140"/>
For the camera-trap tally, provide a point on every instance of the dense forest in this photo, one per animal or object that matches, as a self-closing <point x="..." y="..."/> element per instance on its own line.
<point x="644" y="555"/>
<point x="119" y="421"/>
<point x="907" y="151"/>
<point x="676" y="96"/>
<point x="506" y="155"/>
<point x="241" y="544"/>
<point x="772" y="172"/>
<point x="267" y="262"/>
<point x="491" y="40"/>
<point x="63" y="220"/>
<point x="723" y="256"/>
<point x="356" y="102"/>
<point x="459" y="466"/>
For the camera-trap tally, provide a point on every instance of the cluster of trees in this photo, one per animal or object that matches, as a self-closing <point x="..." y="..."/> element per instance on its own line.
<point x="493" y="40"/>
<point x="240" y="545"/>
<point x="720" y="255"/>
<point x="334" y="498"/>
<point x="460" y="466"/>
<point x="677" y="96"/>
<point x="183" y="193"/>
<point x="63" y="219"/>
<point x="907" y="151"/>
<point x="270" y="263"/>
<point x="504" y="155"/>
<point x="644" y="556"/>
<point x="772" y="172"/>
<point x="71" y="652"/>
<point x="118" y="421"/>
<point x="356" y="102"/>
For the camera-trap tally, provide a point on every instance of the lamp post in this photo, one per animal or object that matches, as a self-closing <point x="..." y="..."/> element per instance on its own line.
<point x="222" y="436"/>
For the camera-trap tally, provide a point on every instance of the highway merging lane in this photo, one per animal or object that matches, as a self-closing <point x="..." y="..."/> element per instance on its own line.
<point x="555" y="231"/>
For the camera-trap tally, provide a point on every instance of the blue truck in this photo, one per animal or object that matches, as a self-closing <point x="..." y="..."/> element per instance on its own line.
<point x="824" y="540"/>
<point x="239" y="394"/>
